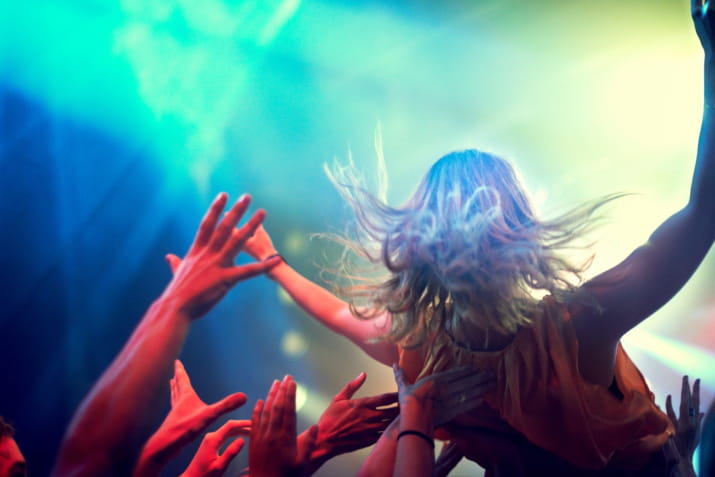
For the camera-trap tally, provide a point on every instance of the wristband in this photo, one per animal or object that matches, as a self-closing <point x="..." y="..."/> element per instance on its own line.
<point x="419" y="434"/>
<point x="275" y="255"/>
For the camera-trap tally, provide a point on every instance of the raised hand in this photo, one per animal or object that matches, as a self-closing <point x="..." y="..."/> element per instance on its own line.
<point x="351" y="424"/>
<point x="260" y="246"/>
<point x="704" y="21"/>
<point x="208" y="271"/>
<point x="687" y="425"/>
<point x="273" y="450"/>
<point x="447" y="394"/>
<point x="207" y="461"/>
<point x="188" y="418"/>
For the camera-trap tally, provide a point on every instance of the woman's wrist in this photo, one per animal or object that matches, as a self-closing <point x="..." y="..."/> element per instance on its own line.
<point x="417" y="419"/>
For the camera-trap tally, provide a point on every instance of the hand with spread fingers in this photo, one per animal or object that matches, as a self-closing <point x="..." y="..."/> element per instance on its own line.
<point x="209" y="461"/>
<point x="447" y="394"/>
<point x="687" y="424"/>
<point x="188" y="418"/>
<point x="273" y="450"/>
<point x="350" y="424"/>
<point x="208" y="271"/>
<point x="101" y="440"/>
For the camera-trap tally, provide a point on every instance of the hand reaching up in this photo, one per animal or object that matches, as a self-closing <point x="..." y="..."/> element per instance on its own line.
<point x="350" y="424"/>
<point x="687" y="424"/>
<point x="207" y="461"/>
<point x="273" y="451"/>
<point x="208" y="271"/>
<point x="188" y="418"/>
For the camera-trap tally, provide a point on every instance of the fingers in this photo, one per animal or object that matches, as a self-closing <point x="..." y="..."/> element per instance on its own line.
<point x="173" y="261"/>
<point x="696" y="396"/>
<point x="399" y="376"/>
<point x="228" y="404"/>
<point x="256" y="417"/>
<point x="234" y="275"/>
<point x="232" y="428"/>
<point x="383" y="415"/>
<point x="380" y="400"/>
<point x="229" y="222"/>
<point x="230" y="453"/>
<point x="684" y="397"/>
<point x="181" y="377"/>
<point x="289" y="418"/>
<point x="239" y="236"/>
<point x="350" y="388"/>
<point x="669" y="409"/>
<point x="208" y="223"/>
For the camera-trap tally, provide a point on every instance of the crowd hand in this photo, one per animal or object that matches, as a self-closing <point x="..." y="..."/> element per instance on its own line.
<point x="208" y="271"/>
<point x="189" y="416"/>
<point x="260" y="246"/>
<point x="207" y="461"/>
<point x="273" y="451"/>
<point x="448" y="458"/>
<point x="687" y="425"/>
<point x="351" y="424"/>
<point x="446" y="394"/>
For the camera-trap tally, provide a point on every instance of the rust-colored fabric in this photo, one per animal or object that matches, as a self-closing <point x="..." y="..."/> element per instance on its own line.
<point x="540" y="393"/>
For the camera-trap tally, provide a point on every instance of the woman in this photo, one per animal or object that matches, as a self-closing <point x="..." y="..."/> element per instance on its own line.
<point x="467" y="256"/>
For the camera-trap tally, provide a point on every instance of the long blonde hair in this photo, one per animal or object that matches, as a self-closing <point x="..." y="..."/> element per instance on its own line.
<point x="467" y="245"/>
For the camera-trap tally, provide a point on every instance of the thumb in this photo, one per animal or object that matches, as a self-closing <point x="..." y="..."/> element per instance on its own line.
<point x="173" y="261"/>
<point x="227" y="404"/>
<point x="350" y="388"/>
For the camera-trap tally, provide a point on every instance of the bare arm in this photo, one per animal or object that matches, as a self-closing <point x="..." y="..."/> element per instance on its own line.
<point x="630" y="292"/>
<point x="107" y="430"/>
<point x="325" y="307"/>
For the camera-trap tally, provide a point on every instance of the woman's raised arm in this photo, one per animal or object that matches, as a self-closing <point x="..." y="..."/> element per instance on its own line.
<point x="630" y="292"/>
<point x="325" y="307"/>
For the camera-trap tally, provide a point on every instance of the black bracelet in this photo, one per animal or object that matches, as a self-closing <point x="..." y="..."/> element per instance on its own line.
<point x="275" y="255"/>
<point x="422" y="435"/>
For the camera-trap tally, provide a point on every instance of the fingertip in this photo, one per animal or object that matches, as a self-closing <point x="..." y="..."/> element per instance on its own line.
<point x="236" y="400"/>
<point x="221" y="198"/>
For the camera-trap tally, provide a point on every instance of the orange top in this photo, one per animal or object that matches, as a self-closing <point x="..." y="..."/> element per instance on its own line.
<point x="540" y="393"/>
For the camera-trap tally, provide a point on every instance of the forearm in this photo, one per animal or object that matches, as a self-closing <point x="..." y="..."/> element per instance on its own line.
<point x="105" y="432"/>
<point x="335" y="314"/>
<point x="414" y="455"/>
<point x="702" y="196"/>
<point x="312" y="298"/>
<point x="381" y="461"/>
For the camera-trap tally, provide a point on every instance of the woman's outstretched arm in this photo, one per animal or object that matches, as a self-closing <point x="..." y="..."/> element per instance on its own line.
<point x="630" y="292"/>
<point x="326" y="307"/>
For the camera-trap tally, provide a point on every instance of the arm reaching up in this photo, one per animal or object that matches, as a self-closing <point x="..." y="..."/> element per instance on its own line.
<point x="106" y="432"/>
<point x="650" y="276"/>
<point x="325" y="307"/>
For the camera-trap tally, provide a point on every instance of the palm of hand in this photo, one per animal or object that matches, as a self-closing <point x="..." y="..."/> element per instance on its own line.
<point x="189" y="415"/>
